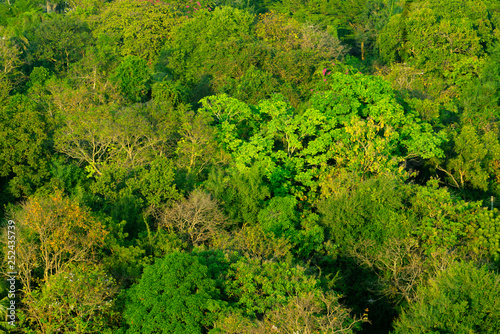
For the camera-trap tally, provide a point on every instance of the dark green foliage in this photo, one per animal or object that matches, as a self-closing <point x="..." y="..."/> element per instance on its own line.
<point x="241" y="195"/>
<point x="21" y="15"/>
<point x="175" y="295"/>
<point x="480" y="97"/>
<point x="25" y="144"/>
<point x="66" y="176"/>
<point x="201" y="39"/>
<point x="124" y="194"/>
<point x="122" y="258"/>
<point x="38" y="77"/>
<point x="223" y="52"/>
<point x="369" y="210"/>
<point x="170" y="92"/>
<point x="11" y="11"/>
<point x="254" y="6"/>
<point x="156" y="185"/>
<point x="368" y="24"/>
<point x="133" y="77"/>
<point x="58" y="42"/>
<point x="279" y="217"/>
<point x="207" y="41"/>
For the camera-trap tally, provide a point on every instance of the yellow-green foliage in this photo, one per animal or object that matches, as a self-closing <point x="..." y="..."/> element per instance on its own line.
<point x="141" y="27"/>
<point x="460" y="299"/>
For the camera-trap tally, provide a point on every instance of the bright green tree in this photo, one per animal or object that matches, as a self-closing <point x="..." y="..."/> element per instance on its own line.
<point x="354" y="124"/>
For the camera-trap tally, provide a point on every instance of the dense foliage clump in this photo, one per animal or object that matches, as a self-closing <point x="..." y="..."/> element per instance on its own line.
<point x="316" y="166"/>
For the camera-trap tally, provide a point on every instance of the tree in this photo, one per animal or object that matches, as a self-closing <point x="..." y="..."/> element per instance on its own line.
<point x="460" y="299"/>
<point x="139" y="28"/>
<point x="78" y="300"/>
<point x="10" y="61"/>
<point x="87" y="85"/>
<point x="330" y="14"/>
<point x="197" y="149"/>
<point x="54" y="232"/>
<point x="446" y="43"/>
<point x="473" y="159"/>
<point x="298" y="50"/>
<point x="175" y="295"/>
<point x="25" y="144"/>
<point x="308" y="313"/>
<point x="353" y="124"/>
<point x="223" y="51"/>
<point x="101" y="136"/>
<point x="479" y="99"/>
<point x="365" y="211"/>
<point x="133" y="77"/>
<point x="156" y="184"/>
<point x="261" y="287"/>
<point x="4" y="304"/>
<point x="252" y="242"/>
<point x="256" y="6"/>
<point x="86" y="9"/>
<point x="445" y="223"/>
<point x="399" y="264"/>
<point x="198" y="218"/>
<point x="242" y="195"/>
<point x="287" y="34"/>
<point x="364" y="29"/>
<point x="193" y="55"/>
<point x="58" y="42"/>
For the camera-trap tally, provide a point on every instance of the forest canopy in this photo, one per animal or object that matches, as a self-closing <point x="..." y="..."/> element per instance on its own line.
<point x="305" y="166"/>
